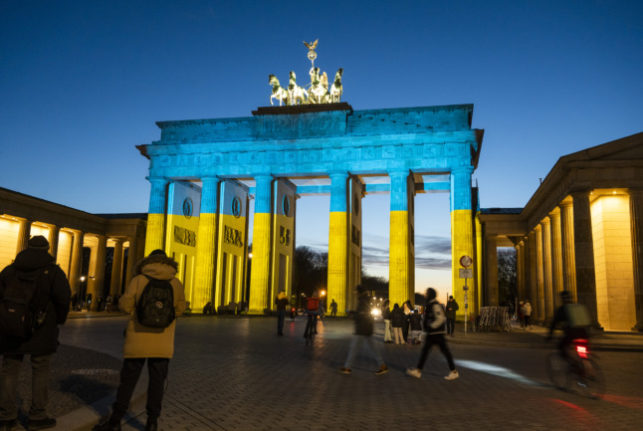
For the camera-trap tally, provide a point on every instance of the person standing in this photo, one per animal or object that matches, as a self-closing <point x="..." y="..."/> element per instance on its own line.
<point x="33" y="274"/>
<point x="282" y="303"/>
<point x="386" y="315"/>
<point x="363" y="334"/>
<point x="526" y="311"/>
<point x="146" y="343"/>
<point x="397" y="321"/>
<point x="452" y="307"/>
<point x="312" y="311"/>
<point x="434" y="326"/>
<point x="333" y="308"/>
<point x="407" y="307"/>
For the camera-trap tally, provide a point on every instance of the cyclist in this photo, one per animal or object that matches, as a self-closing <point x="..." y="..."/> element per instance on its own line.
<point x="575" y="322"/>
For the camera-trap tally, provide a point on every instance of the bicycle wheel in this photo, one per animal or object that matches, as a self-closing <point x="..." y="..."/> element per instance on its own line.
<point x="558" y="371"/>
<point x="590" y="381"/>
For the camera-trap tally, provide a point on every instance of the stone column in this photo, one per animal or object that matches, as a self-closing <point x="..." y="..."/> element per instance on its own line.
<point x="636" y="221"/>
<point x="557" y="255"/>
<point x="117" y="268"/>
<point x="76" y="262"/>
<point x="206" y="244"/>
<point x="462" y="240"/>
<point x="491" y="269"/>
<point x="338" y="241"/>
<point x="99" y="270"/>
<point x="568" y="255"/>
<point x="261" y="242"/>
<point x="24" y="231"/>
<point x="131" y="260"/>
<point x="584" y="253"/>
<point x="533" y="271"/>
<point x="54" y="232"/>
<point x="400" y="238"/>
<point x="540" y="268"/>
<point x="154" y="238"/>
<point x="520" y="269"/>
<point x="547" y="268"/>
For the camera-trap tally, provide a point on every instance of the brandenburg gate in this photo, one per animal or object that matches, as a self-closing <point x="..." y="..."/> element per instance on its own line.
<point x="203" y="173"/>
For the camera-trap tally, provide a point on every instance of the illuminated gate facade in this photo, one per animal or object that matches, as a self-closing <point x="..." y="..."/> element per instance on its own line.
<point x="202" y="173"/>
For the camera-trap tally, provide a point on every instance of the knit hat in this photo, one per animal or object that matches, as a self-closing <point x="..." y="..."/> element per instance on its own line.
<point x="38" y="242"/>
<point x="431" y="293"/>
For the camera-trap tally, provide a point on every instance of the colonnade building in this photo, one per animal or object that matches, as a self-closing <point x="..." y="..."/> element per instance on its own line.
<point x="97" y="253"/>
<point x="581" y="231"/>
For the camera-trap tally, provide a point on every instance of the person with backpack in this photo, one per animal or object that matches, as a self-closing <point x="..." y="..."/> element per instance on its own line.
<point x="312" y="311"/>
<point x="434" y="326"/>
<point x="574" y="320"/>
<point x="363" y="334"/>
<point x="397" y="322"/>
<point x="34" y="300"/>
<point x="154" y="298"/>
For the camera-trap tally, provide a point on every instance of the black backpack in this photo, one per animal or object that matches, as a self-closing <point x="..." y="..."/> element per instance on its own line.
<point x="23" y="307"/>
<point x="155" y="308"/>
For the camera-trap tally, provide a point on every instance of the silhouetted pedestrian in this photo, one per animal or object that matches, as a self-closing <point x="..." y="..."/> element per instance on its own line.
<point x="282" y="303"/>
<point x="363" y="334"/>
<point x="452" y="307"/>
<point x="397" y="322"/>
<point x="434" y="326"/>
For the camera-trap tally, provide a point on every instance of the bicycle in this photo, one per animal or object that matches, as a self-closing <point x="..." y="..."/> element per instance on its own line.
<point x="578" y="372"/>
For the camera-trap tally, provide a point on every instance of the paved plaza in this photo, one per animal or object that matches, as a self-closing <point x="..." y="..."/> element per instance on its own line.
<point x="236" y="374"/>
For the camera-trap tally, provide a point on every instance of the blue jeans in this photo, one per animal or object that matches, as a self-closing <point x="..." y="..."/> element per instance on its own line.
<point x="356" y="343"/>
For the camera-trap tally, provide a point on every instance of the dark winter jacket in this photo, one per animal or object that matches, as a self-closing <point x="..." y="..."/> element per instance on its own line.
<point x="363" y="317"/>
<point x="54" y="285"/>
<point x="452" y="307"/>
<point x="435" y="318"/>
<point x="416" y="322"/>
<point x="397" y="317"/>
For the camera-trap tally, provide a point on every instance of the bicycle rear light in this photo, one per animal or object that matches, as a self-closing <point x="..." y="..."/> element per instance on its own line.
<point x="581" y="348"/>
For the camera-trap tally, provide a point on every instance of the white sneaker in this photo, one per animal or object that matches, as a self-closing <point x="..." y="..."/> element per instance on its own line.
<point x="414" y="372"/>
<point x="452" y="375"/>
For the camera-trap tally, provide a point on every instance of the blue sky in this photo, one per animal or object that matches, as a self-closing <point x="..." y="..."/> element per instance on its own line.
<point x="82" y="83"/>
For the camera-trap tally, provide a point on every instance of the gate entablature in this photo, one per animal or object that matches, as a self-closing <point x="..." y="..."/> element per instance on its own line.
<point x="424" y="139"/>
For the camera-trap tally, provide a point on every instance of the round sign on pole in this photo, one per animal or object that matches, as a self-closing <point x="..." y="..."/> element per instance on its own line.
<point x="466" y="261"/>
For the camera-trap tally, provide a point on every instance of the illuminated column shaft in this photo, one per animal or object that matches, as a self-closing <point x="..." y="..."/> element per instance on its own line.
<point x="520" y="269"/>
<point x="401" y="260"/>
<point x="636" y="221"/>
<point x="533" y="270"/>
<point x="54" y="231"/>
<point x="557" y="255"/>
<point x="491" y="253"/>
<point x="261" y="241"/>
<point x="479" y="298"/>
<point x="338" y="240"/>
<point x="24" y="231"/>
<point x="156" y="215"/>
<point x="461" y="229"/>
<point x="95" y="285"/>
<point x="584" y="249"/>
<point x="76" y="262"/>
<point x="567" y="239"/>
<point x="117" y="268"/>
<point x="547" y="268"/>
<point x="132" y="259"/>
<point x="206" y="244"/>
<point x="540" y="268"/>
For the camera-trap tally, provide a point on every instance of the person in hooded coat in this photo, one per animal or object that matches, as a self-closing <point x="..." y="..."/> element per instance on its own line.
<point x="142" y="343"/>
<point x="435" y="327"/>
<point x="52" y="289"/>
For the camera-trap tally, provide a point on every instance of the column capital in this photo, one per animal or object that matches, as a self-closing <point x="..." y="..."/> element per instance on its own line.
<point x="545" y="221"/>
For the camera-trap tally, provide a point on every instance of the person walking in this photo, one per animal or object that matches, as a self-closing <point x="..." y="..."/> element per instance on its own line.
<point x="282" y="303"/>
<point x="452" y="307"/>
<point x="312" y="311"/>
<point x="156" y="276"/>
<point x="434" y="326"/>
<point x="407" y="307"/>
<point x="363" y="334"/>
<point x="386" y="315"/>
<point x="35" y="275"/>
<point x="397" y="321"/>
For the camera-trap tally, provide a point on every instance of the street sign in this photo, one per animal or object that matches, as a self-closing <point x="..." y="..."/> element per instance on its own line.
<point x="466" y="273"/>
<point x="466" y="261"/>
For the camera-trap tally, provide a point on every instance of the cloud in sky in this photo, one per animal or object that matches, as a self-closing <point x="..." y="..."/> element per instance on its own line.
<point x="431" y="252"/>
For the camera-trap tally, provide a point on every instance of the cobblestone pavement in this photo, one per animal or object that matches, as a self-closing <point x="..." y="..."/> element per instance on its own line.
<point x="236" y="374"/>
